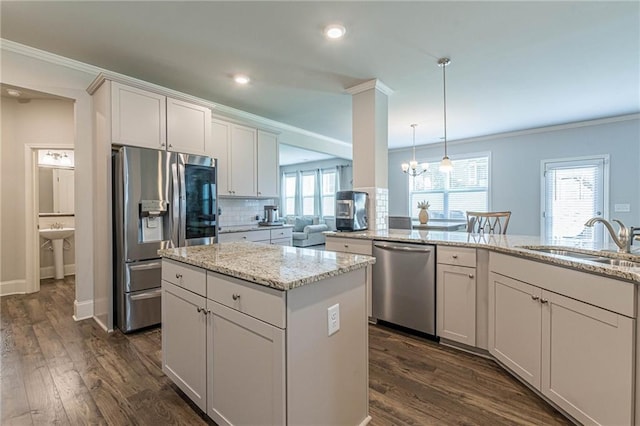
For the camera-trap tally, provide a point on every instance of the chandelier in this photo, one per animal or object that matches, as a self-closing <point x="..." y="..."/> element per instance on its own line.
<point x="445" y="164"/>
<point x="412" y="168"/>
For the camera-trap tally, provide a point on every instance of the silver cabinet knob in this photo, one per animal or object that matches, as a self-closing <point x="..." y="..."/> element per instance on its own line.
<point x="259" y="193"/>
<point x="178" y="276"/>
<point x="534" y="297"/>
<point x="544" y="301"/>
<point x="346" y="246"/>
<point x="244" y="238"/>
<point x="199" y="309"/>
<point x="455" y="256"/>
<point x="170" y="146"/>
<point x="235" y="296"/>
<point x="470" y="275"/>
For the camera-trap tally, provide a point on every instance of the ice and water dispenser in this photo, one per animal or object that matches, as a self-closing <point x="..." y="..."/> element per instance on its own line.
<point x="154" y="221"/>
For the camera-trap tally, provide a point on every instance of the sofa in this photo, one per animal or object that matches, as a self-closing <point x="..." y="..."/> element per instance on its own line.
<point x="307" y="230"/>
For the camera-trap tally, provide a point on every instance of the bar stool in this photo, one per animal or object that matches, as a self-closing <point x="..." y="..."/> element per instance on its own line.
<point x="489" y="222"/>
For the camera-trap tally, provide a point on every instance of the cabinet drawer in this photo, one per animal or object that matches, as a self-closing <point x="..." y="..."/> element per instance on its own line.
<point x="281" y="233"/>
<point x="260" y="302"/>
<point x="458" y="256"/>
<point x="260" y="235"/>
<point x="349" y="245"/>
<point x="186" y="276"/>
<point x="282" y="241"/>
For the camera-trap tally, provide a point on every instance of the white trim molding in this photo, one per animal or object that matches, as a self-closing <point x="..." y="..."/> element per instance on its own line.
<point x="82" y="310"/>
<point x="12" y="287"/>
<point x="368" y="85"/>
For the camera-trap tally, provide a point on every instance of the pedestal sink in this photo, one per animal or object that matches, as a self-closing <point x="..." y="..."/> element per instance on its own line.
<point x="57" y="237"/>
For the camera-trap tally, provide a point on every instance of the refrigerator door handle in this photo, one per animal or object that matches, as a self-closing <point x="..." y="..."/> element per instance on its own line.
<point x="175" y="210"/>
<point x="183" y="201"/>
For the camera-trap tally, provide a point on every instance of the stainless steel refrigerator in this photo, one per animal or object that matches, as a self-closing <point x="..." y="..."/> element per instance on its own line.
<point x="160" y="200"/>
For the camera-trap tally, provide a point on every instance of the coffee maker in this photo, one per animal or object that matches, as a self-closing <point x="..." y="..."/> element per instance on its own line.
<point x="351" y="211"/>
<point x="270" y="216"/>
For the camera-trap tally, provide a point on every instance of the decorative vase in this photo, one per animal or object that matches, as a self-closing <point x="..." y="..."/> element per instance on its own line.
<point x="423" y="216"/>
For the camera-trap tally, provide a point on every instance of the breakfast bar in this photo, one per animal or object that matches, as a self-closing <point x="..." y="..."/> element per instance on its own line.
<point x="267" y="334"/>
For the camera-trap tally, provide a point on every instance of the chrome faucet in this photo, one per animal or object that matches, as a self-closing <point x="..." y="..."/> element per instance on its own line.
<point x="624" y="237"/>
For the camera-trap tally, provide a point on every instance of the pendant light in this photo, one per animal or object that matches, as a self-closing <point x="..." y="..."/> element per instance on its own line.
<point x="411" y="168"/>
<point x="445" y="164"/>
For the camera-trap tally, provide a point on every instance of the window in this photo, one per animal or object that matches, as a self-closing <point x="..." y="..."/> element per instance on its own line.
<point x="450" y="195"/>
<point x="289" y="196"/>
<point x="308" y="193"/>
<point x="328" y="192"/>
<point x="573" y="192"/>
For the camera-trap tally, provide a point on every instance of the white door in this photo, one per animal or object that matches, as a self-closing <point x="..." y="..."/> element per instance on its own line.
<point x="587" y="360"/>
<point x="267" y="164"/>
<point x="245" y="369"/>
<point x="221" y="142"/>
<point x="184" y="339"/>
<point x="515" y="326"/>
<point x="573" y="191"/>
<point x="139" y="117"/>
<point x="456" y="303"/>
<point x="188" y="128"/>
<point x="243" y="161"/>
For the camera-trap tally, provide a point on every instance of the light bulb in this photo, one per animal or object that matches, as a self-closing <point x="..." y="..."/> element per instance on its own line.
<point x="334" y="32"/>
<point x="445" y="165"/>
<point x="241" y="79"/>
<point x="413" y="164"/>
<point x="405" y="167"/>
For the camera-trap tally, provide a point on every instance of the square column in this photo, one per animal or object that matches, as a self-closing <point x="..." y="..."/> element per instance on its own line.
<point x="370" y="148"/>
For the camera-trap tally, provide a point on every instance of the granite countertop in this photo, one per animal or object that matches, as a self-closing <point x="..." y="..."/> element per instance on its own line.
<point x="519" y="245"/>
<point x="245" y="228"/>
<point x="280" y="267"/>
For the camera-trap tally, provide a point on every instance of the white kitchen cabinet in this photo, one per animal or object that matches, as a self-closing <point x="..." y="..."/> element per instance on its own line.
<point x="152" y="120"/>
<point x="184" y="338"/>
<point x="456" y="294"/>
<point x="246" y="369"/>
<point x="247" y="160"/>
<point x="188" y="128"/>
<point x="138" y="117"/>
<point x="277" y="235"/>
<point x="579" y="356"/>
<point x="353" y="246"/>
<point x="267" y="163"/>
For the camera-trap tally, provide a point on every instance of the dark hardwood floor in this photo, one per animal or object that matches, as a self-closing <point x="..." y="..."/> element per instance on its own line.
<point x="54" y="370"/>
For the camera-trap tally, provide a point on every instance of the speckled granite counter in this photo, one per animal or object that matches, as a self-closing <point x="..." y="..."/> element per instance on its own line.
<point x="279" y="267"/>
<point x="245" y="228"/>
<point x="518" y="245"/>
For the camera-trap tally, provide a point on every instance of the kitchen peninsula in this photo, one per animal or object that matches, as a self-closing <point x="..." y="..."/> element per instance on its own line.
<point x="560" y="316"/>
<point x="267" y="334"/>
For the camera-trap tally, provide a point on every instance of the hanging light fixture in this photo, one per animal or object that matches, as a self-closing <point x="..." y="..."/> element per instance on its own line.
<point x="411" y="168"/>
<point x="445" y="164"/>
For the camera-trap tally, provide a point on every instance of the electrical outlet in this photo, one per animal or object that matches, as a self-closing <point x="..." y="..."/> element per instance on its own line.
<point x="333" y="318"/>
<point x="622" y="208"/>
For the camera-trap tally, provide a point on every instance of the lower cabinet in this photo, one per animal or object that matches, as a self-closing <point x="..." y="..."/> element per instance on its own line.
<point x="245" y="369"/>
<point x="577" y="355"/>
<point x="279" y="236"/>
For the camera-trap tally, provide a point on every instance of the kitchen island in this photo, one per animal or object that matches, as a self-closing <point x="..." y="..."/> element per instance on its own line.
<point x="561" y="316"/>
<point x="266" y="334"/>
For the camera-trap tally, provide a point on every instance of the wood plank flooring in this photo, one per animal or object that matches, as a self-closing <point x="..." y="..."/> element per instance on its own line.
<point x="54" y="370"/>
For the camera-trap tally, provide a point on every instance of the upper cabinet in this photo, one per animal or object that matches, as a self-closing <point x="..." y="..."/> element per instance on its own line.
<point x="148" y="119"/>
<point x="247" y="160"/>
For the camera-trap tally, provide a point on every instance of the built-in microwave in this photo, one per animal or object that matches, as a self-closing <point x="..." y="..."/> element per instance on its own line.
<point x="351" y="211"/>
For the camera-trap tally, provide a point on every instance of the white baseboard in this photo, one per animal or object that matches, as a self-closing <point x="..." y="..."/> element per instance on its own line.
<point x="102" y="325"/>
<point x="12" y="287"/>
<point x="82" y="310"/>
<point x="50" y="271"/>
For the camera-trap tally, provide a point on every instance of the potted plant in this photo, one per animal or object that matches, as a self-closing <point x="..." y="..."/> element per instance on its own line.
<point x="423" y="216"/>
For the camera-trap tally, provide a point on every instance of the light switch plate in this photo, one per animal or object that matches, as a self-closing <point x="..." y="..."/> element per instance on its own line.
<point x="622" y="208"/>
<point x="333" y="318"/>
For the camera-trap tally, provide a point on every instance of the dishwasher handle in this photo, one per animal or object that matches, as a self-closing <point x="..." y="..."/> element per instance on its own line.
<point x="403" y="248"/>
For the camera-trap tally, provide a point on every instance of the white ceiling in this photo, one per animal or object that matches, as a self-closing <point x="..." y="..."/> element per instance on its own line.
<point x="294" y="155"/>
<point x="515" y="65"/>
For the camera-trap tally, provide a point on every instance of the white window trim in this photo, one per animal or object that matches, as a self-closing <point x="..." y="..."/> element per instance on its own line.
<point x="605" y="189"/>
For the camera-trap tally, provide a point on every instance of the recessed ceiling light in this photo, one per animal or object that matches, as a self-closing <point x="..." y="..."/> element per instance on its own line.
<point x="13" y="92"/>
<point x="334" y="31"/>
<point x="241" y="79"/>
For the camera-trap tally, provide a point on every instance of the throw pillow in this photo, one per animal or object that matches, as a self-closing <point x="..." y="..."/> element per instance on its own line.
<point x="301" y="222"/>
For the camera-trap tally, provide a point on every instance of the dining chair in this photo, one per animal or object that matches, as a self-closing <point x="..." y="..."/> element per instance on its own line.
<point x="400" y="222"/>
<point x="488" y="222"/>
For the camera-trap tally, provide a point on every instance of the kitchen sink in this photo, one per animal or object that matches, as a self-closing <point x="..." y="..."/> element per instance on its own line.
<point x="569" y="253"/>
<point x="618" y="262"/>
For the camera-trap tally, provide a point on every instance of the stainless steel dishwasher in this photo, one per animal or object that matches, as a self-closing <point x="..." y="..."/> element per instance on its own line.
<point x="404" y="285"/>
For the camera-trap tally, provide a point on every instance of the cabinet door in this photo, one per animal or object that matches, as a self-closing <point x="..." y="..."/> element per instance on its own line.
<point x="221" y="141"/>
<point x="456" y="303"/>
<point x="515" y="326"/>
<point x="184" y="338"/>
<point x="245" y="369"/>
<point x="243" y="161"/>
<point x="138" y="117"/>
<point x="267" y="164"/>
<point x="587" y="360"/>
<point x="188" y="128"/>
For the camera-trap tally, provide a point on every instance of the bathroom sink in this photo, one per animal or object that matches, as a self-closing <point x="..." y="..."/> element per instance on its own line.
<point x="56" y="234"/>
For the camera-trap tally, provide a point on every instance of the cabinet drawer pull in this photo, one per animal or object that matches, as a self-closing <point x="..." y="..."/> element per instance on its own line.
<point x="235" y="296"/>
<point x="470" y="275"/>
<point x="544" y="301"/>
<point x="455" y="256"/>
<point x="534" y="297"/>
<point x="244" y="238"/>
<point x="178" y="276"/>
<point x="199" y="309"/>
<point x="346" y="246"/>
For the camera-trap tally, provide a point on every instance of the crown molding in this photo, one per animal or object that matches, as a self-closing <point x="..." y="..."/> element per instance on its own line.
<point x="103" y="74"/>
<point x="368" y="85"/>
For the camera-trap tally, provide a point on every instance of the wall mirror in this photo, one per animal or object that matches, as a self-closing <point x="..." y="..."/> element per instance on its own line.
<point x="55" y="182"/>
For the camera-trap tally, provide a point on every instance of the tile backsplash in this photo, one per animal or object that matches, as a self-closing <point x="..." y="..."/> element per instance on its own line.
<point x="238" y="212"/>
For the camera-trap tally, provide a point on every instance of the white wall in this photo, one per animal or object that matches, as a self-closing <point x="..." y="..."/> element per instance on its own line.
<point x="515" y="168"/>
